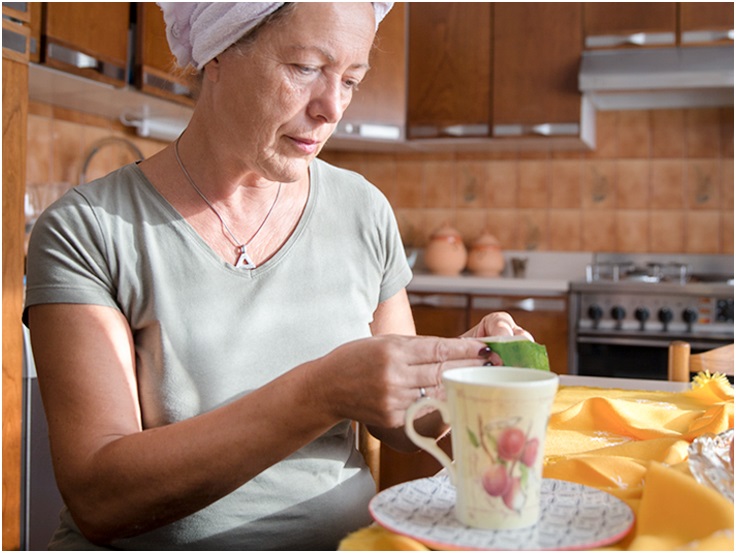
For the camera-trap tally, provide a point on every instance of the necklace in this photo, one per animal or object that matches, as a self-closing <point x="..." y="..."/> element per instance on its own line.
<point x="244" y="260"/>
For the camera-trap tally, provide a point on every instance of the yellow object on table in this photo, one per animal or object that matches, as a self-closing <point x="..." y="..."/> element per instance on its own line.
<point x="633" y="445"/>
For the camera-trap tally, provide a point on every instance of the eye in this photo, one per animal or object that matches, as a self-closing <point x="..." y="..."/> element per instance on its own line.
<point x="352" y="84"/>
<point x="305" y="69"/>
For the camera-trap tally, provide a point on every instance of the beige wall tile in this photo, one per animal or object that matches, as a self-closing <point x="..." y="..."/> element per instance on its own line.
<point x="439" y="184"/>
<point x="566" y="188"/>
<point x="668" y="184"/>
<point x="703" y="232"/>
<point x="503" y="224"/>
<point x="599" y="230"/>
<point x="67" y="151"/>
<point x="634" y="134"/>
<point x="606" y="138"/>
<point x="599" y="184"/>
<point x="565" y="230"/>
<point x="702" y="188"/>
<point x="533" y="184"/>
<point x="727" y="232"/>
<point x="702" y="133"/>
<point x="632" y="231"/>
<point x="502" y="188"/>
<point x="532" y="227"/>
<point x="382" y="173"/>
<point x="409" y="190"/>
<point x="411" y="226"/>
<point x="472" y="177"/>
<point x="471" y="223"/>
<point x="40" y="148"/>
<point x="633" y="188"/>
<point x="667" y="231"/>
<point x="668" y="133"/>
<point x="727" y="185"/>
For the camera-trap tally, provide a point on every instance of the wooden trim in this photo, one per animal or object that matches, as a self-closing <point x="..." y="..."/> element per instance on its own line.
<point x="15" y="116"/>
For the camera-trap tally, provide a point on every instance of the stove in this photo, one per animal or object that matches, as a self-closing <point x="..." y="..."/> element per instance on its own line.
<point x="627" y="309"/>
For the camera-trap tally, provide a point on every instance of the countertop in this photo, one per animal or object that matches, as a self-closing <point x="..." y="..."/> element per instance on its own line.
<point x="476" y="285"/>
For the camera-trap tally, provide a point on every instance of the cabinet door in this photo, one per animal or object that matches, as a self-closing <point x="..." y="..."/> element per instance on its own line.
<point x="155" y="64"/>
<point x="449" y="69"/>
<point x="536" y="57"/>
<point x="629" y="24"/>
<point x="706" y="23"/>
<point x="546" y="318"/>
<point x="378" y="109"/>
<point x="89" y="38"/>
<point x="443" y="315"/>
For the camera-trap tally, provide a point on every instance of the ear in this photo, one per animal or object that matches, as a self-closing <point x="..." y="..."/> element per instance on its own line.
<point x="212" y="70"/>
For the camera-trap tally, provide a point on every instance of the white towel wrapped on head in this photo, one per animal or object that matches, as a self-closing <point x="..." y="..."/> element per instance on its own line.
<point x="199" y="31"/>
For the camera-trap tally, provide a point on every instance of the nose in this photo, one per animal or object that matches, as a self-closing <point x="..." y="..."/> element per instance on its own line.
<point x="329" y="101"/>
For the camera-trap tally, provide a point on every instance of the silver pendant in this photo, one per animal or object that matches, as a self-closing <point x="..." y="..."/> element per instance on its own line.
<point x="244" y="261"/>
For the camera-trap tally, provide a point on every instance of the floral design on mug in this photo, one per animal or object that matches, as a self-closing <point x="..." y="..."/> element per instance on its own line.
<point x="512" y="452"/>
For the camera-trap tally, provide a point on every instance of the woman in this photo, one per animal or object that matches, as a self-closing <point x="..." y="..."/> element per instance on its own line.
<point x="206" y="323"/>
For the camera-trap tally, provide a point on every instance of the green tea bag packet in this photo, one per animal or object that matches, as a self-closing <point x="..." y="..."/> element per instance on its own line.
<point x="518" y="351"/>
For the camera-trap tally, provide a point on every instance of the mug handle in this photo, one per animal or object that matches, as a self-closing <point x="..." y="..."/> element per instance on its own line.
<point x="429" y="444"/>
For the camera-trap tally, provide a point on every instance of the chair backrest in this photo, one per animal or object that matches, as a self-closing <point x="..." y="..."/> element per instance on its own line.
<point x="682" y="363"/>
<point x="370" y="447"/>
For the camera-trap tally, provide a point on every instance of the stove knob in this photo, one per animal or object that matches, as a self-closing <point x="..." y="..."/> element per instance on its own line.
<point x="665" y="317"/>
<point x="619" y="314"/>
<point x="596" y="313"/>
<point x="689" y="315"/>
<point x="642" y="315"/>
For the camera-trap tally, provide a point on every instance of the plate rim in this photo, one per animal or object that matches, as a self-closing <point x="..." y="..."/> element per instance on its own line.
<point x="455" y="547"/>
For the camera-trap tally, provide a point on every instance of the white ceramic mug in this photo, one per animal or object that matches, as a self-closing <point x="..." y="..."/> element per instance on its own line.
<point x="498" y="417"/>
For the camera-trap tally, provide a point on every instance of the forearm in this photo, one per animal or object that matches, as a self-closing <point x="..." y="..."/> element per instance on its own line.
<point x="138" y="482"/>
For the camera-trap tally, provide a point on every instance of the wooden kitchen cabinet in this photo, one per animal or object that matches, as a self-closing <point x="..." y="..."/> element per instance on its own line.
<point x="629" y="24"/>
<point x="537" y="48"/>
<point x="378" y="109"/>
<point x="449" y="69"/>
<point x="155" y="65"/>
<point x="88" y="38"/>
<point x="703" y="23"/>
<point x="438" y="314"/>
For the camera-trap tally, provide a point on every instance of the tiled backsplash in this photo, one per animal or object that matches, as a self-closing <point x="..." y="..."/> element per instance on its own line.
<point x="659" y="181"/>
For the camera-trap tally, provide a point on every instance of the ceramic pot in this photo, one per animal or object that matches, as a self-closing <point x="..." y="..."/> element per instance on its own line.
<point x="445" y="253"/>
<point x="485" y="258"/>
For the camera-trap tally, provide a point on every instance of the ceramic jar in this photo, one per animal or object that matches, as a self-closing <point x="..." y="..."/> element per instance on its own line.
<point x="445" y="253"/>
<point x="485" y="258"/>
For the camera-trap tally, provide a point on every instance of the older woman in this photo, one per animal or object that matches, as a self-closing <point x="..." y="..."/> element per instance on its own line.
<point x="206" y="323"/>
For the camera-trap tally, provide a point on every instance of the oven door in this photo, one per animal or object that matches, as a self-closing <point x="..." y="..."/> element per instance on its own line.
<point x="629" y="357"/>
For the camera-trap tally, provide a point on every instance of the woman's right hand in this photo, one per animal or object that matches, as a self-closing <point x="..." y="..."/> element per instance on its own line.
<point x="376" y="379"/>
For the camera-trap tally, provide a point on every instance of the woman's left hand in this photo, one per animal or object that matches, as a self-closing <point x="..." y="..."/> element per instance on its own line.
<point x="497" y="324"/>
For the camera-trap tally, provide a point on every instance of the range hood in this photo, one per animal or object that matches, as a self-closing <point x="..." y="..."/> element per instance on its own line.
<point x="658" y="78"/>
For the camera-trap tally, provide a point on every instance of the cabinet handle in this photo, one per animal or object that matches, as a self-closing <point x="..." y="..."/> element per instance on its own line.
<point x="371" y="130"/>
<point x="466" y="130"/>
<point x="14" y="41"/>
<point x="556" y="305"/>
<point x="637" y="39"/>
<point x="691" y="37"/>
<point x="83" y="61"/>
<point x="543" y="129"/>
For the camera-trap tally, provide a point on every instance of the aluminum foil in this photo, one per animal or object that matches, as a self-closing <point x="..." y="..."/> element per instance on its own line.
<point x="711" y="462"/>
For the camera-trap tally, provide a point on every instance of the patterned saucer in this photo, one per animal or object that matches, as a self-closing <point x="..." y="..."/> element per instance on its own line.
<point x="573" y="516"/>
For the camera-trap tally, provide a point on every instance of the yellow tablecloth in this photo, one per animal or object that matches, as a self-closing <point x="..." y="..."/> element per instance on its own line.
<point x="631" y="444"/>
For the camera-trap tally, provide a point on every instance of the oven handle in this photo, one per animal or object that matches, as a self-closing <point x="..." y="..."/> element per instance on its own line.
<point x="650" y="342"/>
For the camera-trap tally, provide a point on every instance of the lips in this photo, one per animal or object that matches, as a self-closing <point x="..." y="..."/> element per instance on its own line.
<point x="306" y="145"/>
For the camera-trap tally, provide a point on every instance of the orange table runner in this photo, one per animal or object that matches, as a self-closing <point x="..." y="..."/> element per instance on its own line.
<point x="633" y="445"/>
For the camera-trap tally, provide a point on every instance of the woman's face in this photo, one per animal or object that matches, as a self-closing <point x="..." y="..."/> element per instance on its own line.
<point x="277" y="100"/>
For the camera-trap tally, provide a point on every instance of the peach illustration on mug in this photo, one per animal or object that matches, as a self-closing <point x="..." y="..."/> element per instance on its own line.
<point x="512" y="452"/>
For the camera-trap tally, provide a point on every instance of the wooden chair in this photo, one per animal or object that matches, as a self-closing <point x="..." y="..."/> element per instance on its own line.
<point x="682" y="364"/>
<point x="370" y="447"/>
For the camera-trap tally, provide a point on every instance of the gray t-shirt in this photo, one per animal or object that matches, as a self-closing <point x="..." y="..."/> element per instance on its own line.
<point x="206" y="333"/>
